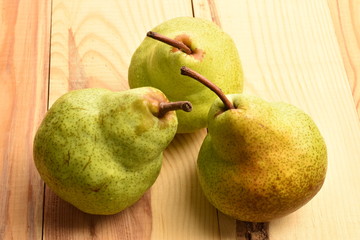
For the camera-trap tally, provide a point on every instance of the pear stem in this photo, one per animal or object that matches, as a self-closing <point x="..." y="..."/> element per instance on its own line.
<point x="172" y="106"/>
<point x="191" y="73"/>
<point x="172" y="42"/>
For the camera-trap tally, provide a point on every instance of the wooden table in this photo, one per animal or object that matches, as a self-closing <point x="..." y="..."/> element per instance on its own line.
<point x="303" y="52"/>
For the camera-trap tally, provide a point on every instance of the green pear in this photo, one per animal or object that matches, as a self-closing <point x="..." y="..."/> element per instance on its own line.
<point x="194" y="42"/>
<point x="260" y="160"/>
<point x="102" y="150"/>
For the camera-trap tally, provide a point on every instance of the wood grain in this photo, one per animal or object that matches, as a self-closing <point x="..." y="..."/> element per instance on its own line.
<point x="290" y="53"/>
<point x="64" y="221"/>
<point x="92" y="47"/>
<point x="346" y="19"/>
<point x="24" y="60"/>
<point x="302" y="52"/>
<point x="180" y="210"/>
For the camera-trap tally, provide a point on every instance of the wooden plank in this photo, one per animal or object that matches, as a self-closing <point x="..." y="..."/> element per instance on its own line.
<point x="228" y="227"/>
<point x="91" y="47"/>
<point x="24" y="60"/>
<point x="346" y="19"/>
<point x="290" y="52"/>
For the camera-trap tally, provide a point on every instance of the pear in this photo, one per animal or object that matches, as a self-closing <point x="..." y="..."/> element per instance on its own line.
<point x="260" y="160"/>
<point x="194" y="42"/>
<point x="102" y="150"/>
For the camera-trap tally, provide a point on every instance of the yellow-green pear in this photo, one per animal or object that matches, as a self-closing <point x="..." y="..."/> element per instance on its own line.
<point x="260" y="160"/>
<point x="194" y="42"/>
<point x="101" y="150"/>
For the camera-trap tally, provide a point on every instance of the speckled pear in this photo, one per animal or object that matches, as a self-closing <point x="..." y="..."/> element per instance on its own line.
<point x="101" y="150"/>
<point x="198" y="44"/>
<point x="260" y="160"/>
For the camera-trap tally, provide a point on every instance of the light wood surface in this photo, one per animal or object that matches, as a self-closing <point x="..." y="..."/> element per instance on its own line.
<point x="346" y="20"/>
<point x="303" y="52"/>
<point x="24" y="66"/>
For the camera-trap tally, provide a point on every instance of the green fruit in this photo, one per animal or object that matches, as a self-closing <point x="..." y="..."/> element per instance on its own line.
<point x="101" y="150"/>
<point x="210" y="49"/>
<point x="260" y="160"/>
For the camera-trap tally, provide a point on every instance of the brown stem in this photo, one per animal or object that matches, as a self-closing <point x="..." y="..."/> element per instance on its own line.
<point x="191" y="73"/>
<point x="172" y="106"/>
<point x="172" y="42"/>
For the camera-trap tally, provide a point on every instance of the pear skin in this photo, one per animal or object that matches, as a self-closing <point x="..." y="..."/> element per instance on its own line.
<point x="157" y="64"/>
<point x="101" y="150"/>
<point x="261" y="160"/>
